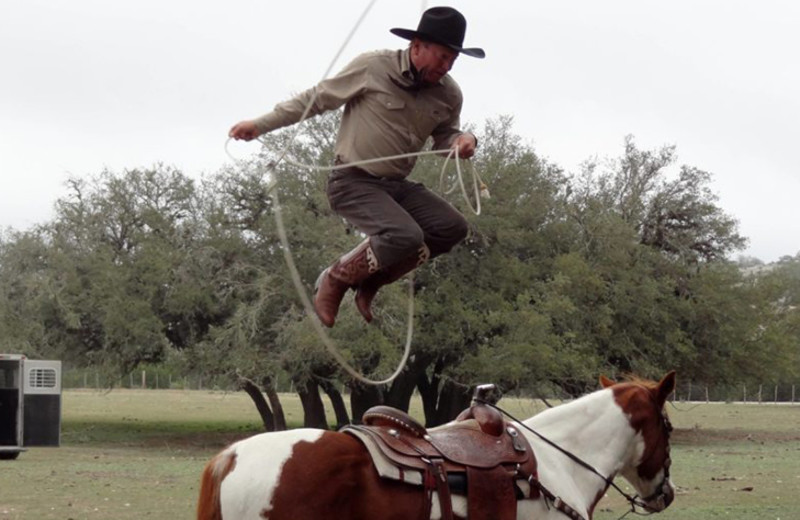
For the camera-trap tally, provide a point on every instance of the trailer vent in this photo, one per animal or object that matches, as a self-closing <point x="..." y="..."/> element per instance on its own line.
<point x="42" y="378"/>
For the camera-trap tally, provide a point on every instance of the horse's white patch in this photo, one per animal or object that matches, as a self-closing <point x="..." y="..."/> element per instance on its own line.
<point x="459" y="505"/>
<point x="595" y="429"/>
<point x="248" y="489"/>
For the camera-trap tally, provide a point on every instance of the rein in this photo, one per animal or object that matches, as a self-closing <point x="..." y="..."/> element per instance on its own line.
<point x="558" y="503"/>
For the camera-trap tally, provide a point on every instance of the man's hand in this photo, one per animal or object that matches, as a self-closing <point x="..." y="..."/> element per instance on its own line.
<point x="245" y="130"/>
<point x="466" y="144"/>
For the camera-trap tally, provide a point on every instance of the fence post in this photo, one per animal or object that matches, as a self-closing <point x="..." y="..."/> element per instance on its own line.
<point x="144" y="379"/>
<point x="707" y="400"/>
<point x="776" y="394"/>
<point x="792" y="394"/>
<point x="744" y="387"/>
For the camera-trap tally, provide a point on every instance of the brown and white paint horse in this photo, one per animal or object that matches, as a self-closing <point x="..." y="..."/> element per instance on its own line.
<point x="307" y="474"/>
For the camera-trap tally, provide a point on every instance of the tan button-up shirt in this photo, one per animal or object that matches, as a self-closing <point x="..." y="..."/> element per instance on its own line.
<point x="380" y="118"/>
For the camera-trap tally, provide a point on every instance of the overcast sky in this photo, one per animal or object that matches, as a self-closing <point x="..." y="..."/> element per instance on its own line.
<point x="118" y="84"/>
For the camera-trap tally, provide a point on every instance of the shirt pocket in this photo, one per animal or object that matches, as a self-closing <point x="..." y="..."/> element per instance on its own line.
<point x="390" y="102"/>
<point x="432" y="117"/>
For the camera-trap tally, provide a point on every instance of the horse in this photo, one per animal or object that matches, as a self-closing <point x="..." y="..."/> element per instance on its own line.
<point x="581" y="446"/>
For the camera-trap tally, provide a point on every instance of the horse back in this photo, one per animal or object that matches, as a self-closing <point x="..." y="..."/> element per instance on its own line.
<point x="334" y="478"/>
<point x="298" y="475"/>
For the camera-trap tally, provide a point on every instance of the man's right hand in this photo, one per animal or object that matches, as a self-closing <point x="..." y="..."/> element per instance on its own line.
<point x="244" y="130"/>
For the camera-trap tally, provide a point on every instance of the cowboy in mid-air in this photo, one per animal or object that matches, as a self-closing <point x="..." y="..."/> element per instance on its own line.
<point x="394" y="100"/>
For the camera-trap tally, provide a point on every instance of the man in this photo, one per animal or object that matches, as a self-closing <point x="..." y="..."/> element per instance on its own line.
<point x="394" y="101"/>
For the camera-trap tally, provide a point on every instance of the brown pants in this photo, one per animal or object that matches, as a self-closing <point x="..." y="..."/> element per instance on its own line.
<point x="398" y="215"/>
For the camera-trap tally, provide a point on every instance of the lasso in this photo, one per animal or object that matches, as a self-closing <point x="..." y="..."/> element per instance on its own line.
<point x="480" y="191"/>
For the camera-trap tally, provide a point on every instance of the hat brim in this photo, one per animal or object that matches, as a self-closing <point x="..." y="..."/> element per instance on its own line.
<point x="409" y="34"/>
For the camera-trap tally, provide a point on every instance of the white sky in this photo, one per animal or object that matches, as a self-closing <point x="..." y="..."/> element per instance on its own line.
<point x="93" y="84"/>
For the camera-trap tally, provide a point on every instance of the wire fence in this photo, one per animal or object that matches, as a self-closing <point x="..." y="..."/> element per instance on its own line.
<point x="160" y="378"/>
<point x="784" y="393"/>
<point x="153" y="379"/>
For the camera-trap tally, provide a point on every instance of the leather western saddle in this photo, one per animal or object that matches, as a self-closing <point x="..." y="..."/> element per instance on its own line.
<point x="479" y="455"/>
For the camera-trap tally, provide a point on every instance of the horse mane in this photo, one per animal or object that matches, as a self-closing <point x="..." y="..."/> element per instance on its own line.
<point x="647" y="384"/>
<point x="640" y="381"/>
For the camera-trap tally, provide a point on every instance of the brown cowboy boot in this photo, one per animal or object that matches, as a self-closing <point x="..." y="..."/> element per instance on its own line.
<point x="369" y="288"/>
<point x="332" y="284"/>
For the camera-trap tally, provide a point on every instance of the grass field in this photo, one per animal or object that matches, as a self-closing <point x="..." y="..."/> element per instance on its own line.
<point x="131" y="454"/>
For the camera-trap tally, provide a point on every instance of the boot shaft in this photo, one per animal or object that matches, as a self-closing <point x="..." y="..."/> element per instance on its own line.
<point x="355" y="266"/>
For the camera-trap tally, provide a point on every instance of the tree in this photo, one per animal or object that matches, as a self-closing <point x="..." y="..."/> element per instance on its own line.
<point x="120" y="271"/>
<point x="622" y="268"/>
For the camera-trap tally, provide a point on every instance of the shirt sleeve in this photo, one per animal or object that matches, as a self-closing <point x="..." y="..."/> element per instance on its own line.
<point x="329" y="94"/>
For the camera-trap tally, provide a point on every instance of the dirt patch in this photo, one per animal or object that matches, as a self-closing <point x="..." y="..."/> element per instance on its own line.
<point x="700" y="436"/>
<point x="202" y="441"/>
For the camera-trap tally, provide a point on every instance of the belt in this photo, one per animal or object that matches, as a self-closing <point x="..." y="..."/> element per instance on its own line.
<point x="354" y="170"/>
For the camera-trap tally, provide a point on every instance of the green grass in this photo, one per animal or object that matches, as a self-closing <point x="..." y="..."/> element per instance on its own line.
<point x="134" y="454"/>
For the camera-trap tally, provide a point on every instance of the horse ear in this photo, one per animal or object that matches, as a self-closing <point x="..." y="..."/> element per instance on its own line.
<point x="606" y="382"/>
<point x="666" y="386"/>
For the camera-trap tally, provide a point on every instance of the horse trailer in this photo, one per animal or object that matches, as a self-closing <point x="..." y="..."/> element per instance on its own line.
<point x="30" y="404"/>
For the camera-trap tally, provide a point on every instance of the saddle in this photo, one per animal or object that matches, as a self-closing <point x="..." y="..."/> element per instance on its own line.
<point x="479" y="455"/>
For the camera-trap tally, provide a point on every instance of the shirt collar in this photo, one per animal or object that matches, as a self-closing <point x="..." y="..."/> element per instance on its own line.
<point x="406" y="68"/>
<point x="405" y="64"/>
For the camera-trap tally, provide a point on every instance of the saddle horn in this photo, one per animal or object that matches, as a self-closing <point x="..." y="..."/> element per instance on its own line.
<point x="487" y="394"/>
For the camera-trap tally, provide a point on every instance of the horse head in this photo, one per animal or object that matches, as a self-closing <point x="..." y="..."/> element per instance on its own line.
<point x="647" y="469"/>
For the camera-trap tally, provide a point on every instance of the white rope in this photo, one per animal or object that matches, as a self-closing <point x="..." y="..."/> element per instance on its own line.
<point x="295" y="275"/>
<point x="480" y="188"/>
<point x="309" y="308"/>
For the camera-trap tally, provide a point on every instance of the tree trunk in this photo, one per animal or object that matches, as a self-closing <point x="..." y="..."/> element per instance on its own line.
<point x="275" y="402"/>
<point x="441" y="401"/>
<point x="402" y="388"/>
<point x="339" y="408"/>
<point x="546" y="403"/>
<point x="362" y="398"/>
<point x="453" y="399"/>
<point x="429" y="392"/>
<point x="313" y="409"/>
<point x="261" y="404"/>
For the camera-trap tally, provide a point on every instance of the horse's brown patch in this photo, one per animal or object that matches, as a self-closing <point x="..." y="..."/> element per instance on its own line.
<point x="597" y="498"/>
<point x="333" y="478"/>
<point x="643" y="401"/>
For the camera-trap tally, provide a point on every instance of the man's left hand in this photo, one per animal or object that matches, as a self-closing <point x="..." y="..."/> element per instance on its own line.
<point x="466" y="144"/>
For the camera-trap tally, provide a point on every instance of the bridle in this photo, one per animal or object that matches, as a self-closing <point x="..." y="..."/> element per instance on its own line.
<point x="658" y="495"/>
<point x="634" y="500"/>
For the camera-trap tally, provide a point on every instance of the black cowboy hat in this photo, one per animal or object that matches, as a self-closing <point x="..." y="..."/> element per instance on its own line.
<point x="442" y="25"/>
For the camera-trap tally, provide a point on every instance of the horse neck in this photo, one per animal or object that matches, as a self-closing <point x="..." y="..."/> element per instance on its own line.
<point x="594" y="429"/>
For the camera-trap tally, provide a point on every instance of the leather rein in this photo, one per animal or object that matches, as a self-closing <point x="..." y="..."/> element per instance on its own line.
<point x="560" y="505"/>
